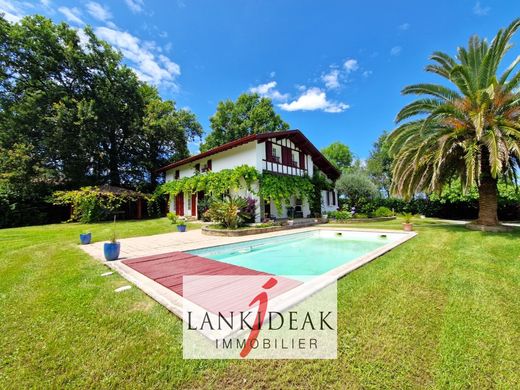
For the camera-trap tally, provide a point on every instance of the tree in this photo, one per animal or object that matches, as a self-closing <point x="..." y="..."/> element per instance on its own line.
<point x="356" y="186"/>
<point x="471" y="132"/>
<point x="250" y="114"/>
<point x="79" y="114"/>
<point x="338" y="154"/>
<point x="163" y="136"/>
<point x="379" y="164"/>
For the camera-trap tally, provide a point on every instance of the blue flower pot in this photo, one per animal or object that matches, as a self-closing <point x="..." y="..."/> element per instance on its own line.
<point x="85" y="238"/>
<point x="181" y="228"/>
<point x="111" y="250"/>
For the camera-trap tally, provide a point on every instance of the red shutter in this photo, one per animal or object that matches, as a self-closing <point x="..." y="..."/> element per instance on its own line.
<point x="302" y="160"/>
<point x="209" y="165"/>
<point x="179" y="204"/>
<point x="194" y="204"/>
<point x="285" y="157"/>
<point x="269" y="151"/>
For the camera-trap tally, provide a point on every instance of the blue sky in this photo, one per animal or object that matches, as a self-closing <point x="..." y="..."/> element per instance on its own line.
<point x="334" y="69"/>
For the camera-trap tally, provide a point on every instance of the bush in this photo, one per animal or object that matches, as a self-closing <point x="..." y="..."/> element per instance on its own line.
<point x="91" y="204"/>
<point x="231" y="212"/>
<point x="360" y="215"/>
<point x="172" y="217"/>
<point x="383" y="211"/>
<point x="340" y="215"/>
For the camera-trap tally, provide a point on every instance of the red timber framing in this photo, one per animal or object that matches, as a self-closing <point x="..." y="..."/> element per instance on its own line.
<point x="284" y="164"/>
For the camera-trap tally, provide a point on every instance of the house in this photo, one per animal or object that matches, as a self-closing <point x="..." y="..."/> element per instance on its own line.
<point x="284" y="153"/>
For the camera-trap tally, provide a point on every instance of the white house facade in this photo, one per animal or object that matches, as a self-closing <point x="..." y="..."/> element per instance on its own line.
<point x="285" y="153"/>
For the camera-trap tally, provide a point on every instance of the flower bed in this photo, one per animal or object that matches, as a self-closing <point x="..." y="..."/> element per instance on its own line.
<point x="247" y="231"/>
<point x="362" y="220"/>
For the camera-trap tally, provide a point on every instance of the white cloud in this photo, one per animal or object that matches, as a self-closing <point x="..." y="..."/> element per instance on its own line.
<point x="12" y="13"/>
<point x="136" y="6"/>
<point x="396" y="50"/>
<point x="145" y="59"/>
<point x="272" y="74"/>
<point x="98" y="11"/>
<point x="72" y="15"/>
<point x="367" y="73"/>
<point x="479" y="10"/>
<point x="404" y="26"/>
<point x="269" y="90"/>
<point x="314" y="99"/>
<point x="331" y="79"/>
<point x="350" y="65"/>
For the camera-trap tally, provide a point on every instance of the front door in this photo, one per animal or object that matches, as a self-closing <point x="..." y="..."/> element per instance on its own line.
<point x="179" y="204"/>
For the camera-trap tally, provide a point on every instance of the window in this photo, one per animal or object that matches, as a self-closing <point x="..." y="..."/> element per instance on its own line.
<point x="177" y="174"/>
<point x="189" y="202"/>
<point x="295" y="157"/>
<point x="197" y="167"/>
<point x="209" y="165"/>
<point x="275" y="153"/>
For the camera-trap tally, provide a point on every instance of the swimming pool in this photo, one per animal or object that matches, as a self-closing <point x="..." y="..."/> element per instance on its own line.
<point x="307" y="254"/>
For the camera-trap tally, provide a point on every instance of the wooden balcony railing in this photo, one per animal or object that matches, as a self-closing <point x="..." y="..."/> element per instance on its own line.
<point x="276" y="167"/>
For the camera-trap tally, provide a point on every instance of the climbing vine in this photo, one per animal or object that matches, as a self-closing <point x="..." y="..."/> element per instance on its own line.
<point x="213" y="183"/>
<point x="280" y="189"/>
<point x="277" y="188"/>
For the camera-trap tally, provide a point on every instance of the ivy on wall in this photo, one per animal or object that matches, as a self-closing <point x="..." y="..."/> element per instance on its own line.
<point x="213" y="183"/>
<point x="280" y="188"/>
<point x="277" y="188"/>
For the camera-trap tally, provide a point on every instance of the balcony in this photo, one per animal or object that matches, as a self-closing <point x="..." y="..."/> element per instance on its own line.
<point x="283" y="169"/>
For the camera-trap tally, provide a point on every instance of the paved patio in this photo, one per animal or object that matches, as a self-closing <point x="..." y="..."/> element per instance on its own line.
<point x="175" y="242"/>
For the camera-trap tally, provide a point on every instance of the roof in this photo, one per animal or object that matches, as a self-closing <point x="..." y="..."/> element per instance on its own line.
<point x="296" y="136"/>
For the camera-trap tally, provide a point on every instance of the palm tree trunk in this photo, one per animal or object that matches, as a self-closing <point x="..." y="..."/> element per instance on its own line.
<point x="488" y="197"/>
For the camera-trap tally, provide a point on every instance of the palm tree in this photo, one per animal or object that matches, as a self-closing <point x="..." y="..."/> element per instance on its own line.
<point x="470" y="132"/>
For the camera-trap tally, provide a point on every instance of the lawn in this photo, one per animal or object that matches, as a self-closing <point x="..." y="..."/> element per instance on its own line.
<point x="442" y="310"/>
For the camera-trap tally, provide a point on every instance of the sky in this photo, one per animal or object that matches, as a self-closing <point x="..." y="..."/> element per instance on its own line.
<point x="334" y="69"/>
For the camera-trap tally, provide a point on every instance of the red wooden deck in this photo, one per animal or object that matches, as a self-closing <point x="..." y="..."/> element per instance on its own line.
<point x="168" y="270"/>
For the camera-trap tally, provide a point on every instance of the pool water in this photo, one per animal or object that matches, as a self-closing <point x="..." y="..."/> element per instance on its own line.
<point x="309" y="253"/>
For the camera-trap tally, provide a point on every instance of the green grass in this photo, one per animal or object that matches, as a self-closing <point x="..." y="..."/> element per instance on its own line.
<point x="440" y="311"/>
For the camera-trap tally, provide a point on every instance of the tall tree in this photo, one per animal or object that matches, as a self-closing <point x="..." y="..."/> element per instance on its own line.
<point x="338" y="154"/>
<point x="163" y="136"/>
<point x="379" y="164"/>
<point x="79" y="113"/>
<point x="250" y="114"/>
<point x="471" y="132"/>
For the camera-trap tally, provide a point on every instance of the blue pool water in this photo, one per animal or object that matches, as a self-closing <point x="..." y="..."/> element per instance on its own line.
<point x="309" y="253"/>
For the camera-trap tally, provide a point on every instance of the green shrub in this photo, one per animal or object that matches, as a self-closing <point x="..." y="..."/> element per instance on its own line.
<point x="383" y="212"/>
<point x="172" y="217"/>
<point x="360" y="215"/>
<point x="92" y="204"/>
<point x="340" y="215"/>
<point x="231" y="212"/>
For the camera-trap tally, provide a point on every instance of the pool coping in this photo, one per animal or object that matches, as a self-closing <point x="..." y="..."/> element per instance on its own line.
<point x="175" y="302"/>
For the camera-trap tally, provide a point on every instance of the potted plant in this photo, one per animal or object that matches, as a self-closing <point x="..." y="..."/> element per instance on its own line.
<point x="112" y="248"/>
<point x="407" y="225"/>
<point x="85" y="238"/>
<point x="181" y="225"/>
